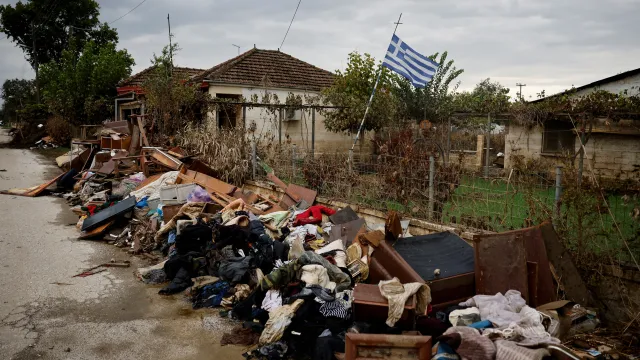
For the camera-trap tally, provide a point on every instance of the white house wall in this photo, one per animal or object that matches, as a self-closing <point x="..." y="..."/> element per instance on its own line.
<point x="296" y="131"/>
<point x="631" y="84"/>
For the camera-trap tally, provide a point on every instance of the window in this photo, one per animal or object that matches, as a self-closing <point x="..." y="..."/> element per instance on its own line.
<point x="558" y="136"/>
<point x="228" y="113"/>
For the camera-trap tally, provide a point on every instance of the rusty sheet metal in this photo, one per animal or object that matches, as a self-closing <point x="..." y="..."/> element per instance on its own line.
<point x="452" y="290"/>
<point x="532" y="279"/>
<point x="392" y="226"/>
<point x="536" y="252"/>
<point x="32" y="191"/>
<point x="344" y="216"/>
<point x="383" y="346"/>
<point x="501" y="264"/>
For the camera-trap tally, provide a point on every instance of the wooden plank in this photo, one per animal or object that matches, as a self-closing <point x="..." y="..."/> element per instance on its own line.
<point x="383" y="346"/>
<point x="145" y="141"/>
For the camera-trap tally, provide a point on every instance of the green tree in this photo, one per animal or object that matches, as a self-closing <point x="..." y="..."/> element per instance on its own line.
<point x="172" y="100"/>
<point x="81" y="88"/>
<point x="351" y="91"/>
<point x="43" y="29"/>
<point x="486" y="97"/>
<point x="17" y="93"/>
<point x="434" y="102"/>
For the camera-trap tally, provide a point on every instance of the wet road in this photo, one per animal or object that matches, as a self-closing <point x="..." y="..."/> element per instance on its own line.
<point x="48" y="314"/>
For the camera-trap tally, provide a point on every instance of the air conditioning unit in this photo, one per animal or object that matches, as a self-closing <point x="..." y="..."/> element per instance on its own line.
<point x="292" y="115"/>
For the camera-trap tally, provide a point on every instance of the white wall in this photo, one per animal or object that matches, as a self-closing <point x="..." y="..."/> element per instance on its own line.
<point x="298" y="132"/>
<point x="630" y="83"/>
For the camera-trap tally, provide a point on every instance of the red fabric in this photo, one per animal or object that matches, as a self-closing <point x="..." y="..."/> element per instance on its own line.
<point x="313" y="215"/>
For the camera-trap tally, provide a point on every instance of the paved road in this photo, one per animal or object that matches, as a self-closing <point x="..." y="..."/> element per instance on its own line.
<point x="48" y="314"/>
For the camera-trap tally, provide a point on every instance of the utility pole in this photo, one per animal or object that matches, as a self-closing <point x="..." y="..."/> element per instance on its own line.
<point x="170" y="46"/>
<point x="35" y="60"/>
<point x="520" y="93"/>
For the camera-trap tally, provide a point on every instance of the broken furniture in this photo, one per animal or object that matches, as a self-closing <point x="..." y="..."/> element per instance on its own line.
<point x="109" y="213"/>
<point x="383" y="346"/>
<point x="369" y="305"/>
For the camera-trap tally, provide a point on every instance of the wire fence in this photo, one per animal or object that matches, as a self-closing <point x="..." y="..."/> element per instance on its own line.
<point x="423" y="184"/>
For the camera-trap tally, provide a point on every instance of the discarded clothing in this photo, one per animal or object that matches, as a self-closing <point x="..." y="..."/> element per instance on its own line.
<point x="276" y="218"/>
<point x="272" y="300"/>
<point x="194" y="238"/>
<point x="202" y="281"/>
<point x="281" y="276"/>
<point x="445" y="352"/>
<point x="508" y="350"/>
<point x="279" y="320"/>
<point x="464" y="317"/>
<point x="239" y="293"/>
<point x="342" y="280"/>
<point x="190" y="210"/>
<point x="313" y="215"/>
<point x="152" y="190"/>
<point x="397" y="295"/>
<point x="337" y="249"/>
<point x="180" y="282"/>
<point x="503" y="310"/>
<point x="469" y="344"/>
<point x="320" y="294"/>
<point x="326" y="346"/>
<point x="317" y="275"/>
<point x="144" y="274"/>
<point x="234" y="269"/>
<point x="210" y="295"/>
<point x="334" y="309"/>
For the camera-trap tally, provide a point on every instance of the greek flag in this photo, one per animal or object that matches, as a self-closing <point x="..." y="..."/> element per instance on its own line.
<point x="402" y="59"/>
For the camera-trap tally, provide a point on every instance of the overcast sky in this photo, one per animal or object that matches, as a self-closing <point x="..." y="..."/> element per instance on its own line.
<point x="546" y="44"/>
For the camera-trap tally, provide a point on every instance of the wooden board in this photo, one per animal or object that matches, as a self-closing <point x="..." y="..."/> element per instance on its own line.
<point x="382" y="346"/>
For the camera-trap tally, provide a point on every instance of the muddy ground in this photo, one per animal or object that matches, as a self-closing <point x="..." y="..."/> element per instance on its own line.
<point x="46" y="313"/>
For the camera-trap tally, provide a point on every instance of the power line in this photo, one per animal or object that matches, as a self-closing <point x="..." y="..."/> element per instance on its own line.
<point x="294" y="16"/>
<point x="129" y="12"/>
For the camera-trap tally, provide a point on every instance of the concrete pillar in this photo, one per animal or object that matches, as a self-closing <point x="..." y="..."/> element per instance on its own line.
<point x="480" y="152"/>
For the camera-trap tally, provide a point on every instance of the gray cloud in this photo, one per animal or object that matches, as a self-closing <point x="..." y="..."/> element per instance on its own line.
<point x="546" y="44"/>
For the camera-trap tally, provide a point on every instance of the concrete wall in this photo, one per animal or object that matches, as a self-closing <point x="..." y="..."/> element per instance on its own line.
<point x="630" y="84"/>
<point x="610" y="155"/>
<point x="297" y="131"/>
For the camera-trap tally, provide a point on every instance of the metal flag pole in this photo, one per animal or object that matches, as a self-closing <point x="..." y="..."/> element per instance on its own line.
<point x="366" y="111"/>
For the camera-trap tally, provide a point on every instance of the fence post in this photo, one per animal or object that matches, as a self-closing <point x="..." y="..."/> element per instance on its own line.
<point x="244" y="116"/>
<point x="293" y="162"/>
<point x="432" y="173"/>
<point x="280" y="127"/>
<point x="448" y="140"/>
<point x="253" y="159"/>
<point x="313" y="133"/>
<point x="488" y="143"/>
<point x="558" y="192"/>
<point x="581" y="160"/>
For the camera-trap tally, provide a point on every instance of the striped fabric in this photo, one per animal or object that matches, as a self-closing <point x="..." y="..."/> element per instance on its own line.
<point x="402" y="59"/>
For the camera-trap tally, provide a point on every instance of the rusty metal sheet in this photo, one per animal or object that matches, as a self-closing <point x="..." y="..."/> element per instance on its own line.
<point x="383" y="346"/>
<point x="392" y="226"/>
<point x="536" y="252"/>
<point x="501" y="264"/>
<point x="532" y="279"/>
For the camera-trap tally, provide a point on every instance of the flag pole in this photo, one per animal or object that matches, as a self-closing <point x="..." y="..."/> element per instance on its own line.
<point x="366" y="111"/>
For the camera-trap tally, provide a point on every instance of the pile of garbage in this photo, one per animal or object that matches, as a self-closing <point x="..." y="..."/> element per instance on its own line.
<point x="302" y="279"/>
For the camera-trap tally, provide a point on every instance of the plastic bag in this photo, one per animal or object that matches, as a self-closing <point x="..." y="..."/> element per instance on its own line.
<point x="198" y="194"/>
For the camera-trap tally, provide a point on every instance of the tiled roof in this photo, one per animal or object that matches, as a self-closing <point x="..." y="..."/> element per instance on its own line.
<point x="139" y="78"/>
<point x="270" y="68"/>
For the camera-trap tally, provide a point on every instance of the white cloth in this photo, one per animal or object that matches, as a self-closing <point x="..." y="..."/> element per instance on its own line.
<point x="503" y="310"/>
<point x="272" y="300"/>
<point x="340" y="256"/>
<point x="469" y="313"/>
<point x="153" y="189"/>
<point x="397" y="295"/>
<point x="279" y="320"/>
<point x="317" y="275"/>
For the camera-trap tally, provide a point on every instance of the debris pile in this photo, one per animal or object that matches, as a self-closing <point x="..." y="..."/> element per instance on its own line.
<point x="304" y="280"/>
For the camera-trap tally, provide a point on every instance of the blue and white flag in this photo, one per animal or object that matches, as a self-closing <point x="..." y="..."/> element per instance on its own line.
<point x="402" y="59"/>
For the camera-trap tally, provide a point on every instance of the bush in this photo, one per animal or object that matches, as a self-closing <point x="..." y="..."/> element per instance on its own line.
<point x="59" y="130"/>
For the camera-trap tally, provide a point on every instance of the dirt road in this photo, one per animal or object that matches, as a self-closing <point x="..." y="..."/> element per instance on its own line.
<point x="48" y="314"/>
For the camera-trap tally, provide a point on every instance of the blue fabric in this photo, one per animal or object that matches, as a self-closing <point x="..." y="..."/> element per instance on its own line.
<point x="485" y="324"/>
<point x="172" y="237"/>
<point x="445" y="352"/>
<point x="211" y="295"/>
<point x="142" y="203"/>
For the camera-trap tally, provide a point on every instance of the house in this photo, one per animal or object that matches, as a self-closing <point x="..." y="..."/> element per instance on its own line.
<point x="130" y="91"/>
<point x="613" y="148"/>
<point x="254" y="73"/>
